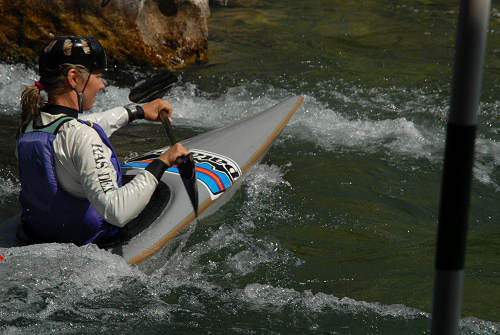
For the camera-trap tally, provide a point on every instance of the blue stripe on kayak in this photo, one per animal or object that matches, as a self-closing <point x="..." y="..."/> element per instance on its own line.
<point x="140" y="165"/>
<point x="216" y="181"/>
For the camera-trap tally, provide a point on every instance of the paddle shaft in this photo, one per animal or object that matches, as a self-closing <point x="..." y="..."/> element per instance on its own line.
<point x="170" y="134"/>
<point x="168" y="127"/>
<point x="185" y="165"/>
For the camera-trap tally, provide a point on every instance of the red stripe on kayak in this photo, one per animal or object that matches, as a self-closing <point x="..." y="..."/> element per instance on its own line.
<point x="212" y="175"/>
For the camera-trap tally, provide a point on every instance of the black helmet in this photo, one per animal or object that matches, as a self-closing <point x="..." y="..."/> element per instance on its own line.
<point x="81" y="50"/>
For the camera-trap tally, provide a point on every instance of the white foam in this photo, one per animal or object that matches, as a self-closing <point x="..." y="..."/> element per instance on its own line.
<point x="395" y="121"/>
<point x="261" y="295"/>
<point x="13" y="80"/>
<point x="111" y="97"/>
<point x="60" y="277"/>
<point x="487" y="161"/>
<point x="8" y="187"/>
<point x="205" y="110"/>
<point x="262" y="179"/>
<point x="472" y="325"/>
<point x="87" y="284"/>
<point x="244" y="253"/>
<point x="330" y="130"/>
<point x="414" y="129"/>
<point x="246" y="261"/>
<point x="88" y="268"/>
<point x="263" y="187"/>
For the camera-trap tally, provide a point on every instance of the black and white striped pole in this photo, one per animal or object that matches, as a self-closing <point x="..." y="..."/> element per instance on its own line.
<point x="458" y="161"/>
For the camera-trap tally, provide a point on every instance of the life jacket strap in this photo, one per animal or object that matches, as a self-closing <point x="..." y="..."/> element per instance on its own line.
<point x="51" y="128"/>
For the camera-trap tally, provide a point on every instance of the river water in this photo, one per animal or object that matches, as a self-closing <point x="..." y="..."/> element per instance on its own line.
<point x="334" y="231"/>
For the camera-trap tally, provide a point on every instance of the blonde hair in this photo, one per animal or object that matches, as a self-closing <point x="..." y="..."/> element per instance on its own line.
<point x="31" y="100"/>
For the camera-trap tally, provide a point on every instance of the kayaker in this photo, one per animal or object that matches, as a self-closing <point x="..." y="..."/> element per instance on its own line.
<point x="71" y="188"/>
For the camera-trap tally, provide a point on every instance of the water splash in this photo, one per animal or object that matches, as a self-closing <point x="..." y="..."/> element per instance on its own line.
<point x="111" y="97"/>
<point x="201" y="109"/>
<point x="331" y="130"/>
<point x="396" y="121"/>
<point x="9" y="186"/>
<point x="64" y="288"/>
<point x="487" y="162"/>
<point x="13" y="80"/>
<point x="266" y="295"/>
<point x="264" y="187"/>
<point x="404" y="134"/>
<point x="228" y="271"/>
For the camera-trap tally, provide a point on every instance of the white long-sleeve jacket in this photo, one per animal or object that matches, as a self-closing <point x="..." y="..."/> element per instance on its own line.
<point x="84" y="170"/>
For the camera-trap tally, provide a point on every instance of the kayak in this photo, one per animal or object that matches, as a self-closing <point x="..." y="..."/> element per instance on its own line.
<point x="222" y="157"/>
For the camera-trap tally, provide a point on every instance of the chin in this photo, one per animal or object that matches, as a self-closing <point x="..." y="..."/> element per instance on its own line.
<point x="87" y="108"/>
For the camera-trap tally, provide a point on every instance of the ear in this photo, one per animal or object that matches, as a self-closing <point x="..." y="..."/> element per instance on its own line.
<point x="73" y="78"/>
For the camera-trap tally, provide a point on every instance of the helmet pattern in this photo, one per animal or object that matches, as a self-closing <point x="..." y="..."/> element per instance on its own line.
<point x="76" y="50"/>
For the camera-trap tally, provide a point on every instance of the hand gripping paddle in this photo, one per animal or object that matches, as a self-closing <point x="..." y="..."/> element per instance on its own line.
<point x="156" y="87"/>
<point x="185" y="165"/>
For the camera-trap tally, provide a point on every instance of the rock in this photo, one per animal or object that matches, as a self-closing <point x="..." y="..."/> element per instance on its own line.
<point x="168" y="33"/>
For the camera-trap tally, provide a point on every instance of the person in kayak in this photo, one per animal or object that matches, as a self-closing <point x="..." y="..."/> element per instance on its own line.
<point x="71" y="188"/>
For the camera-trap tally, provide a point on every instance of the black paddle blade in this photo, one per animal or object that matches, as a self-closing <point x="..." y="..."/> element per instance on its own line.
<point x="152" y="88"/>
<point x="188" y="175"/>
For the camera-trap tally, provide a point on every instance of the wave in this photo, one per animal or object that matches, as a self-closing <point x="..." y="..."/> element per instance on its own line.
<point x="66" y="289"/>
<point x="224" y="270"/>
<point x="330" y="130"/>
<point x="412" y="129"/>
<point x="336" y="116"/>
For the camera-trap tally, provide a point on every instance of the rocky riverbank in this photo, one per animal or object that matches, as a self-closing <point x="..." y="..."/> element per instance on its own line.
<point x="159" y="33"/>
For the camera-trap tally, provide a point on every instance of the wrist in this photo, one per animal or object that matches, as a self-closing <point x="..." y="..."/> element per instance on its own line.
<point x="164" y="161"/>
<point x="135" y="112"/>
<point x="157" y="168"/>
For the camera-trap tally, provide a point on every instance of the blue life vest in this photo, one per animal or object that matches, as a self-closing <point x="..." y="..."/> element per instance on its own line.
<point x="49" y="213"/>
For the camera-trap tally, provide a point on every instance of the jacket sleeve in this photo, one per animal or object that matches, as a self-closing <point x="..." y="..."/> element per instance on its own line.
<point x="110" y="120"/>
<point x="91" y="158"/>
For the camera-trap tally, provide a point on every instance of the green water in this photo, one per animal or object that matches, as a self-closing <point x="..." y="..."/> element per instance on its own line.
<point x="334" y="232"/>
<point x="367" y="222"/>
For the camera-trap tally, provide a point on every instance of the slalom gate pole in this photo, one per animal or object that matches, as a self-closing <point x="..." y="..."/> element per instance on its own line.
<point x="458" y="161"/>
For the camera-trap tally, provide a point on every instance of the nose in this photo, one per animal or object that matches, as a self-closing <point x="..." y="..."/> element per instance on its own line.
<point x="101" y="84"/>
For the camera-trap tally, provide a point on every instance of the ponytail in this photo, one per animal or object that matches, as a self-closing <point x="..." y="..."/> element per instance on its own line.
<point x="31" y="99"/>
<point x="31" y="103"/>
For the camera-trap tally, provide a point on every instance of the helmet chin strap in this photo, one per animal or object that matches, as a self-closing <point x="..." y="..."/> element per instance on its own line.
<point x="80" y="94"/>
<point x="80" y="100"/>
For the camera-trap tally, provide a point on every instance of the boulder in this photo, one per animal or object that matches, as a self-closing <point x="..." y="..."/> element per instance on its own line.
<point x="159" y="33"/>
